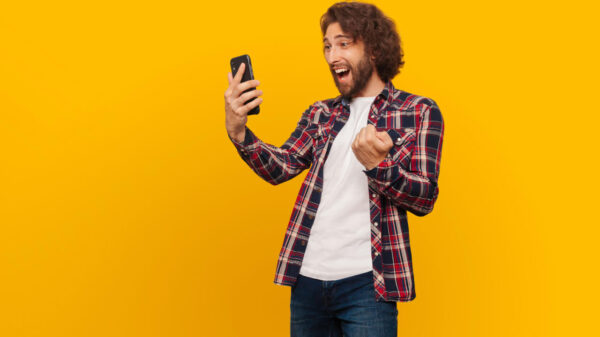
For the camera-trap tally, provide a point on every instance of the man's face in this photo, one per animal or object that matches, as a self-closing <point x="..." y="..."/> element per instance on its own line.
<point x="350" y="66"/>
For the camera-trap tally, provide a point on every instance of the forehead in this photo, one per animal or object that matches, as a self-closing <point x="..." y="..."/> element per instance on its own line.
<point x="334" y="31"/>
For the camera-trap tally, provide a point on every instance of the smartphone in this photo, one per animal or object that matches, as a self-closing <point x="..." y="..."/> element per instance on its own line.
<point x="247" y="76"/>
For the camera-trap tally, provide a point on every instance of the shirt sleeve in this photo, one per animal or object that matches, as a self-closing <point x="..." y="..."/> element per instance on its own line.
<point x="409" y="177"/>
<point x="278" y="164"/>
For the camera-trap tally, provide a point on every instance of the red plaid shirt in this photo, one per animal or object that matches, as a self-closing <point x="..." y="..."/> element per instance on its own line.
<point x="406" y="180"/>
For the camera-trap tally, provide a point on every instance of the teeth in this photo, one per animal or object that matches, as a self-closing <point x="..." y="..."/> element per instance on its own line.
<point x="339" y="70"/>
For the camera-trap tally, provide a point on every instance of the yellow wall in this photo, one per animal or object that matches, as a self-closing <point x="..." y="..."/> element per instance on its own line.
<point x="125" y="211"/>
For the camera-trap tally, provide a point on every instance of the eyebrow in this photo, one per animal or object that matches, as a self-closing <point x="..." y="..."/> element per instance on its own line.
<point x="338" y="37"/>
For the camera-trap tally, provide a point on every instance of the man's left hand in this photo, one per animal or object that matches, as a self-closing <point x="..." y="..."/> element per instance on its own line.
<point x="371" y="146"/>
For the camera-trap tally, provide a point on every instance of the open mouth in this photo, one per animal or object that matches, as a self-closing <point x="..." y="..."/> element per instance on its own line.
<point x="341" y="72"/>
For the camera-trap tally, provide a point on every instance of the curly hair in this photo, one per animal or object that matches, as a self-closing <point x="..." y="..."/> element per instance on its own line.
<point x="366" y="22"/>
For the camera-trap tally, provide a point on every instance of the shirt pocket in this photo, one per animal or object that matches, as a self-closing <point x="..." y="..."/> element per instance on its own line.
<point x="404" y="144"/>
<point x="319" y="135"/>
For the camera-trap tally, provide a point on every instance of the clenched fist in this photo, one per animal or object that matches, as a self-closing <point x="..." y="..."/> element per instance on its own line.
<point x="236" y="112"/>
<point x="371" y="146"/>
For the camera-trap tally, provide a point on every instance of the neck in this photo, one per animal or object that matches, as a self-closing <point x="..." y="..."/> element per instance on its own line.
<point x="374" y="86"/>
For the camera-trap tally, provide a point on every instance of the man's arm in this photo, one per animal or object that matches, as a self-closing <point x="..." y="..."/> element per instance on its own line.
<point x="278" y="164"/>
<point x="273" y="164"/>
<point x="413" y="188"/>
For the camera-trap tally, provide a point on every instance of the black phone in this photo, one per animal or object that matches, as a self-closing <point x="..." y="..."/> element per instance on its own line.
<point x="247" y="76"/>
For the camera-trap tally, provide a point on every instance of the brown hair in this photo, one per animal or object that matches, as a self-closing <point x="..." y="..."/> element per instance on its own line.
<point x="366" y="22"/>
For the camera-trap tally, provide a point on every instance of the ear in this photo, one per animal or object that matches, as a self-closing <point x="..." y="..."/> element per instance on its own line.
<point x="372" y="56"/>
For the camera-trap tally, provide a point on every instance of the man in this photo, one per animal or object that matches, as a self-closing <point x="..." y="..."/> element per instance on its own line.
<point x="374" y="154"/>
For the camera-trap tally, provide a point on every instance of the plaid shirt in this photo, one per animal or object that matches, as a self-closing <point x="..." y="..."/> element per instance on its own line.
<point x="406" y="180"/>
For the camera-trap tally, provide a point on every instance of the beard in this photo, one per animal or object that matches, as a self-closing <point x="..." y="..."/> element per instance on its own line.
<point x="361" y="73"/>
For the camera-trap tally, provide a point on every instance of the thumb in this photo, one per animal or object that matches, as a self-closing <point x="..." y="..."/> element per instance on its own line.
<point x="383" y="142"/>
<point x="385" y="139"/>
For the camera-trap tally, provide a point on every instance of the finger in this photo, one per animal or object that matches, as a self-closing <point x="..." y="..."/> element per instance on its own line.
<point x="246" y="108"/>
<point x="383" y="144"/>
<point x="355" y="147"/>
<point x="369" y="135"/>
<point x="229" y="77"/>
<point x="239" y="74"/>
<point x="385" y="138"/>
<point x="358" y="147"/>
<point x="357" y="139"/>
<point x="380" y="145"/>
<point x="245" y="86"/>
<point x="247" y="96"/>
<point x="370" y="130"/>
<point x="364" y="136"/>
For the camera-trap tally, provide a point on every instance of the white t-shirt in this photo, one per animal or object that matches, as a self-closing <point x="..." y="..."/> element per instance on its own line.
<point x="339" y="244"/>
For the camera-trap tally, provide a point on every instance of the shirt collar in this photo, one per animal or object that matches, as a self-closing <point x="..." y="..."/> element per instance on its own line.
<point x="385" y="94"/>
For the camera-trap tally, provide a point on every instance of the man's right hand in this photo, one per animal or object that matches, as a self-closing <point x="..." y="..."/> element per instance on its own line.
<point x="236" y="113"/>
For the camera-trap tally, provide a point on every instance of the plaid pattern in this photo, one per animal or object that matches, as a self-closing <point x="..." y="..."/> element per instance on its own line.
<point x="406" y="180"/>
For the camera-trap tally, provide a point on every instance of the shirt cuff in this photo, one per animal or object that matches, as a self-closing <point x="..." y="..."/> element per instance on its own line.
<point x="381" y="172"/>
<point x="248" y="144"/>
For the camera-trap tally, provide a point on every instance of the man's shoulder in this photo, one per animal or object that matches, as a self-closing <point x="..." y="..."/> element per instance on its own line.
<point x="407" y="103"/>
<point x="321" y="109"/>
<point x="406" y="100"/>
<point x="327" y="104"/>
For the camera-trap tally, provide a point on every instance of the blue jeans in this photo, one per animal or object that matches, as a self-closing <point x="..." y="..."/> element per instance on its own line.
<point x="345" y="307"/>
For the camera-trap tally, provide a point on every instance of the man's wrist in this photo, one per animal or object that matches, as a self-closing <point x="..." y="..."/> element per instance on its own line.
<point x="238" y="136"/>
<point x="370" y="167"/>
<point x="373" y="165"/>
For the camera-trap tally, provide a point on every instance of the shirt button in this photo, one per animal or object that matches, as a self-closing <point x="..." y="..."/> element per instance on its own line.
<point x="375" y="224"/>
<point x="376" y="253"/>
<point x="374" y="195"/>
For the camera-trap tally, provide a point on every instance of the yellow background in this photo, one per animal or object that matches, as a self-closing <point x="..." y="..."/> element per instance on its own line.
<point x="125" y="210"/>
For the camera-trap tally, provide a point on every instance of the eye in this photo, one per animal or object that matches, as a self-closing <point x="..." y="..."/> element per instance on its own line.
<point x="326" y="47"/>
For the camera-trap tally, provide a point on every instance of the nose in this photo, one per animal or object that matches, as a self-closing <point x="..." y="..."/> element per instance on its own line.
<point x="333" y="55"/>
